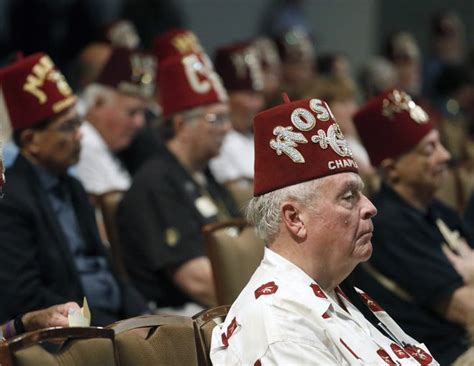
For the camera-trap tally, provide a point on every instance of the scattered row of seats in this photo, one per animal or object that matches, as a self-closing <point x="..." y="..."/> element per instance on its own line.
<point x="141" y="341"/>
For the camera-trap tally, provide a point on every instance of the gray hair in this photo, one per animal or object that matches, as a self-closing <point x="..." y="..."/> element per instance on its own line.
<point x="264" y="211"/>
<point x="91" y="93"/>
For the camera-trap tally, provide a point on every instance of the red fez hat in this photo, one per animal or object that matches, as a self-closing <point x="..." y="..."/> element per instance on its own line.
<point x="187" y="82"/>
<point x="390" y="125"/>
<point x="129" y="72"/>
<point x="32" y="90"/>
<point x="176" y="42"/>
<point x="239" y="67"/>
<point x="295" y="45"/>
<point x="297" y="142"/>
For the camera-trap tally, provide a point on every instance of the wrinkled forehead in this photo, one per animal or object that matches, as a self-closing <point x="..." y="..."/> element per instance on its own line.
<point x="341" y="182"/>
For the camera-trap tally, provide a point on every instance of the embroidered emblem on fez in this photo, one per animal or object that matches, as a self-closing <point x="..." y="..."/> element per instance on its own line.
<point x="374" y="306"/>
<point x="317" y="291"/>
<point x="334" y="138"/>
<point x="385" y="356"/>
<point x="399" y="351"/>
<point x="266" y="289"/>
<point x="419" y="354"/>
<point x="349" y="349"/>
<point x="286" y="141"/>
<point x="230" y="330"/>
<point x="399" y="101"/>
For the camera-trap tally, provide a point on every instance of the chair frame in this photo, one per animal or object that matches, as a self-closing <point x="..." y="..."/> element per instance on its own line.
<point x="147" y="321"/>
<point x="111" y="230"/>
<point x="8" y="346"/>
<point x="200" y="320"/>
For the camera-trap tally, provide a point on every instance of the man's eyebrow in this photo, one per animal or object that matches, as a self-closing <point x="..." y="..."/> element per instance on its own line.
<point x="353" y="185"/>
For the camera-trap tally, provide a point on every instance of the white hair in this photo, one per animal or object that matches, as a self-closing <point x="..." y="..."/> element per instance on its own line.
<point x="93" y="92"/>
<point x="264" y="211"/>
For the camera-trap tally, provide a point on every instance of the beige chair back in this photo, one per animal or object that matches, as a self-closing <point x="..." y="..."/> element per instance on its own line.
<point x="204" y="323"/>
<point x="155" y="340"/>
<point x="108" y="203"/>
<point x="235" y="252"/>
<point x="241" y="191"/>
<point x="60" y="347"/>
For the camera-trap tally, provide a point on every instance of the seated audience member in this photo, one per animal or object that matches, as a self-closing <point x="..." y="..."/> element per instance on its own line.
<point x="147" y="142"/>
<point x="173" y="195"/>
<point x="241" y="72"/>
<point x="310" y="209"/>
<point x="114" y="112"/>
<point x="51" y="251"/>
<point x="422" y="254"/>
<point x="376" y="76"/>
<point x="269" y="58"/>
<point x="402" y="50"/>
<point x="54" y="316"/>
<point x="334" y="64"/>
<point x="298" y="56"/>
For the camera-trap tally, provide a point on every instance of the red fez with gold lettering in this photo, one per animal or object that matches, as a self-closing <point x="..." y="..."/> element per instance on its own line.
<point x="129" y="72"/>
<point x="176" y="42"/>
<point x="391" y="124"/>
<point x="239" y="67"/>
<point x="187" y="82"/>
<point x="296" y="142"/>
<point x="32" y="90"/>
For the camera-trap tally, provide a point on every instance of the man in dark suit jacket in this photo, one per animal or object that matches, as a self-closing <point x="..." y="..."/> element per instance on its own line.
<point x="49" y="244"/>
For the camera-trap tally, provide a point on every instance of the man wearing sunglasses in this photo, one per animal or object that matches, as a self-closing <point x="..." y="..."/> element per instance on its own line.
<point x="51" y="251"/>
<point x="164" y="248"/>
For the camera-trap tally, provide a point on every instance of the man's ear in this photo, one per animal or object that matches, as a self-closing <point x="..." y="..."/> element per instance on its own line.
<point x="294" y="220"/>
<point x="390" y="170"/>
<point x="178" y="123"/>
<point x="28" y="139"/>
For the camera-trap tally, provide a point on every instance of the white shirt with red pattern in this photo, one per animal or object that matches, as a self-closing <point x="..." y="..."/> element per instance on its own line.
<point x="283" y="317"/>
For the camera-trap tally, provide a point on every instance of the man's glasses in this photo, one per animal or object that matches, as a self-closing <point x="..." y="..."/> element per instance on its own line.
<point x="214" y="118"/>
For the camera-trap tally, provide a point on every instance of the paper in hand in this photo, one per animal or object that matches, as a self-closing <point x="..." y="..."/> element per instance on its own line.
<point x="80" y="318"/>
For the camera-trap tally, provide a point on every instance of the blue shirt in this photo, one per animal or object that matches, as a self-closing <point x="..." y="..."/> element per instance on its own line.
<point x="100" y="287"/>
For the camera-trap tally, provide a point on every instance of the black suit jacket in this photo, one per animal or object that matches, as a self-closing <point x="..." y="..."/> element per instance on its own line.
<point x="37" y="269"/>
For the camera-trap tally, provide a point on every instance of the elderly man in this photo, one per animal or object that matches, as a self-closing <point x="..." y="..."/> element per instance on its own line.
<point x="309" y="208"/>
<point x="240" y="69"/>
<point x="416" y="236"/>
<point x="114" y="110"/>
<point x="51" y="251"/>
<point x="164" y="248"/>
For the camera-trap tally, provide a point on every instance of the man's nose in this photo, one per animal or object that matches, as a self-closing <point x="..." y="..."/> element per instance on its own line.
<point x="369" y="210"/>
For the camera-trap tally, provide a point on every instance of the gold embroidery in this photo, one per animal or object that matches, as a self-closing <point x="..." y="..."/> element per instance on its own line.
<point x="44" y="70"/>
<point x="399" y="101"/>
